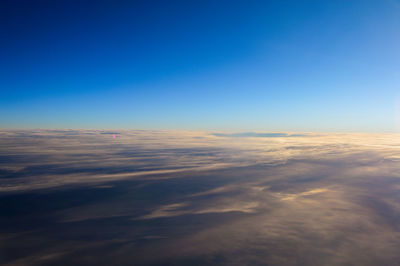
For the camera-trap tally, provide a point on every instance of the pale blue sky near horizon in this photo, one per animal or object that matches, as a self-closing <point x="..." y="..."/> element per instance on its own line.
<point x="202" y="65"/>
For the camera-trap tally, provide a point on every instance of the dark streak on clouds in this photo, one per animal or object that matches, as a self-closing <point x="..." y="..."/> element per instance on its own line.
<point x="190" y="198"/>
<point x="256" y="135"/>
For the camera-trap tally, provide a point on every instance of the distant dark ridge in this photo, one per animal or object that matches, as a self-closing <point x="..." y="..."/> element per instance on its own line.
<point x="256" y="135"/>
<point x="110" y="133"/>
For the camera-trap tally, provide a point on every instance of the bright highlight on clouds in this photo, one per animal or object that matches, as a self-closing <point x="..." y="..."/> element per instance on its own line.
<point x="56" y="158"/>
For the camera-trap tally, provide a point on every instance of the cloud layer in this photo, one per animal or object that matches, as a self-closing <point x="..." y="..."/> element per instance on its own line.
<point x="163" y="197"/>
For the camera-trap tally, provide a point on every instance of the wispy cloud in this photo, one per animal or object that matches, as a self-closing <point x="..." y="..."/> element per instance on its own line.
<point x="184" y="196"/>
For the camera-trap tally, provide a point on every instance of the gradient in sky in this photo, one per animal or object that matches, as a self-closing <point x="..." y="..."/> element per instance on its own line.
<point x="222" y="65"/>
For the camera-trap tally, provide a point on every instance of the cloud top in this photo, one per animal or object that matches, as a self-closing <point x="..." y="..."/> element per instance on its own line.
<point x="159" y="197"/>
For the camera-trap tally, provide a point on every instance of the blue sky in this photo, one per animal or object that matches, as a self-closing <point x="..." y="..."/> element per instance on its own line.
<point x="212" y="65"/>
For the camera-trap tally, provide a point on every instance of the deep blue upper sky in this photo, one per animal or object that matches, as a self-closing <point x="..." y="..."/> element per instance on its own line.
<point x="223" y="65"/>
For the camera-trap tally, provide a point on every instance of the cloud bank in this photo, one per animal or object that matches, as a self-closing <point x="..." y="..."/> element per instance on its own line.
<point x="163" y="197"/>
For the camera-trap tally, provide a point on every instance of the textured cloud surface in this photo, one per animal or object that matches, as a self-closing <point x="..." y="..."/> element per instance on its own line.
<point x="194" y="198"/>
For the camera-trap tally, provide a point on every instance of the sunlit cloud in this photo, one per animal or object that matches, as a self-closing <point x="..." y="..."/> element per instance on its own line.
<point x="333" y="196"/>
